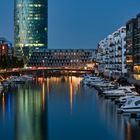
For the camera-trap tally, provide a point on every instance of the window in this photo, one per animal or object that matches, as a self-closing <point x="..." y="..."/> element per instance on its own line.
<point x="129" y="102"/>
<point x="130" y="27"/>
<point x="137" y="102"/>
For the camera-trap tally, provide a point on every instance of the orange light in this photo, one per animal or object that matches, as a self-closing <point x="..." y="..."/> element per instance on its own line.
<point x="3" y="47"/>
<point x="136" y="68"/>
<point x="71" y="90"/>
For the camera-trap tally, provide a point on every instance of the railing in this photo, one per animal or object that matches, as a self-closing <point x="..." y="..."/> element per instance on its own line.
<point x="18" y="70"/>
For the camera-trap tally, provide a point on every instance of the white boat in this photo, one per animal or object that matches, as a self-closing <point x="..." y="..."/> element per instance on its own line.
<point x="121" y="91"/>
<point x="96" y="82"/>
<point x="120" y="88"/>
<point x="123" y="99"/>
<point x="89" y="79"/>
<point x="17" y="80"/>
<point x="102" y="84"/>
<point x="107" y="88"/>
<point x="6" y="83"/>
<point x="132" y="105"/>
<point x="27" y="77"/>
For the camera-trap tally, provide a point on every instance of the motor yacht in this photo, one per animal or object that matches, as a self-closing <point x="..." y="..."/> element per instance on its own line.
<point x="120" y="88"/>
<point x="18" y="80"/>
<point x="107" y="88"/>
<point x="123" y="99"/>
<point x="104" y="84"/>
<point x="89" y="79"/>
<point x="132" y="105"/>
<point x="121" y="91"/>
<point x="96" y="82"/>
<point x="27" y="77"/>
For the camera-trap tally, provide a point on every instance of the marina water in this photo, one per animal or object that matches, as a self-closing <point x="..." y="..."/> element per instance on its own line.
<point x="60" y="108"/>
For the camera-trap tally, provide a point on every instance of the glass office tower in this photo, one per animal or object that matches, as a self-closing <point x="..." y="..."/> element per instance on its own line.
<point x="30" y="26"/>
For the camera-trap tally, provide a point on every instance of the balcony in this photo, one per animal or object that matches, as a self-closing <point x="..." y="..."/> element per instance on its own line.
<point x="119" y="48"/>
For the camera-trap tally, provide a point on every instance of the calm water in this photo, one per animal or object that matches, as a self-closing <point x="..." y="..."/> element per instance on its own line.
<point x="61" y="109"/>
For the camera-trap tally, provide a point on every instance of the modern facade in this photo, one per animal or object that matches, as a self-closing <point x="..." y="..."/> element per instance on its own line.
<point x="136" y="47"/>
<point x="111" y="54"/>
<point x="133" y="49"/>
<point x="30" y="26"/>
<point x="133" y="44"/>
<point x="130" y="27"/>
<point x="75" y="58"/>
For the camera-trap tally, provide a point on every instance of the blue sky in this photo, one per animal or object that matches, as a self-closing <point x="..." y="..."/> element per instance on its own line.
<point x="76" y="23"/>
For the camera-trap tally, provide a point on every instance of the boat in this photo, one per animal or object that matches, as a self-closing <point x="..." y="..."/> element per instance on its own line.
<point x="6" y="83"/>
<point x="121" y="91"/>
<point x="96" y="82"/>
<point x="132" y="105"/>
<point x="27" y="77"/>
<point x="120" y="88"/>
<point x="123" y="99"/>
<point x="17" y="80"/>
<point x="107" y="88"/>
<point x="88" y="79"/>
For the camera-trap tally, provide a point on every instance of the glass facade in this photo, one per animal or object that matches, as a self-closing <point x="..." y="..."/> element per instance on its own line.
<point x="31" y="25"/>
<point x="130" y="26"/>
<point x="75" y="58"/>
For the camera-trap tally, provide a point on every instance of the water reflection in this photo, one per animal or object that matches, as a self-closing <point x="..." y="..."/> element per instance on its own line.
<point x="129" y="131"/>
<point x="124" y="127"/>
<point x="71" y="92"/>
<point x="30" y="113"/>
<point x="61" y="108"/>
<point x="113" y="122"/>
<point x="43" y="95"/>
<point x="24" y="113"/>
<point x="3" y="104"/>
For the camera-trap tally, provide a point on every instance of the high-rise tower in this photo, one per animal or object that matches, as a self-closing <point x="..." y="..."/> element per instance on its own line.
<point x="30" y="26"/>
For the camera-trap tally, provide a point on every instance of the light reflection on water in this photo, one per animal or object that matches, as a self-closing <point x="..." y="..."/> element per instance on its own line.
<point x="60" y="108"/>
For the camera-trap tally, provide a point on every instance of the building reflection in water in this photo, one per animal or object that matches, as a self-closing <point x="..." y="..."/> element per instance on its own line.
<point x="27" y="107"/>
<point x="24" y="110"/>
<point x="48" y="87"/>
<point x="43" y="95"/>
<point x="74" y="83"/>
<point x="129" y="131"/>
<point x="3" y="105"/>
<point x="108" y="115"/>
<point x="71" y="92"/>
<point x="30" y="113"/>
<point x="127" y="128"/>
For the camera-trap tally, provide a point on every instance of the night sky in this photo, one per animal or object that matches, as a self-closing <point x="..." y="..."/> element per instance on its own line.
<point x="76" y="23"/>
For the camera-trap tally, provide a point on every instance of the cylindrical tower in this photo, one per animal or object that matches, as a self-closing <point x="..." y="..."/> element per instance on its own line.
<point x="30" y="26"/>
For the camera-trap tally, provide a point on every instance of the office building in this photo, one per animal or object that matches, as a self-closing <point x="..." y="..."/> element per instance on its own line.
<point x="30" y="26"/>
